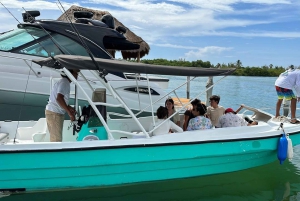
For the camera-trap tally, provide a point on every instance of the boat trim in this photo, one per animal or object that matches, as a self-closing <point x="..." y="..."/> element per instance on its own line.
<point x="138" y="145"/>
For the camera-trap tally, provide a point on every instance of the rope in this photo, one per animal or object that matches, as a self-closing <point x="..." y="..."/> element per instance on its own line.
<point x="22" y="105"/>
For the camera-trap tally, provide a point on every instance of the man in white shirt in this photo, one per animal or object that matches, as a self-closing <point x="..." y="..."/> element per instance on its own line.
<point x="284" y="87"/>
<point x="58" y="105"/>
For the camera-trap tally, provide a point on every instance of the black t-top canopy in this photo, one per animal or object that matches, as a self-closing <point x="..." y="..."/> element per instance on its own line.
<point x="86" y="63"/>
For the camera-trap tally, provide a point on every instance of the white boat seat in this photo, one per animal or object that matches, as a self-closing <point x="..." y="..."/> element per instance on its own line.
<point x="139" y="134"/>
<point x="36" y="133"/>
<point x="3" y="136"/>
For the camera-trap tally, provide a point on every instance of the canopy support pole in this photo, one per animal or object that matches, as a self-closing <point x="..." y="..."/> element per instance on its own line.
<point x="209" y="87"/>
<point x="188" y="86"/>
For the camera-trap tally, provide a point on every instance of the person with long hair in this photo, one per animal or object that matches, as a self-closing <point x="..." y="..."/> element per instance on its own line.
<point x="169" y="104"/>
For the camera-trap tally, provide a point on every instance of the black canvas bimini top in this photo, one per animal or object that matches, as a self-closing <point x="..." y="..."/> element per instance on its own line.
<point x="86" y="63"/>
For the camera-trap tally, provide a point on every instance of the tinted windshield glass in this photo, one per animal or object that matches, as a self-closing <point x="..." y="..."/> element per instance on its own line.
<point x="21" y="41"/>
<point x="54" y="45"/>
<point x="18" y="37"/>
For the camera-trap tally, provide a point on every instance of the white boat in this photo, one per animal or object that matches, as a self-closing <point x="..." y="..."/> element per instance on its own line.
<point x="42" y="38"/>
<point x="118" y="151"/>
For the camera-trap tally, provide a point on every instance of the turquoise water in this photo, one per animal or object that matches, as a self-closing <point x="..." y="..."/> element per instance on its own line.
<point x="269" y="182"/>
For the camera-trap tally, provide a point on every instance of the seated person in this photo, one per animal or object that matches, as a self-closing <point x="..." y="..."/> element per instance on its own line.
<point x="199" y="122"/>
<point x="161" y="114"/>
<point x="230" y="119"/>
<point x="171" y="110"/>
<point x="215" y="111"/>
<point x="188" y="115"/>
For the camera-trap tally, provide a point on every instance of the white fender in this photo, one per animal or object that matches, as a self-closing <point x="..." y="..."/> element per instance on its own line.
<point x="290" y="152"/>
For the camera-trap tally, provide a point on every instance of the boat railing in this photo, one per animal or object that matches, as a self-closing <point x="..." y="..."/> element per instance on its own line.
<point x="166" y="95"/>
<point x="185" y="105"/>
<point x="115" y="95"/>
<point x="122" y="103"/>
<point x="152" y="103"/>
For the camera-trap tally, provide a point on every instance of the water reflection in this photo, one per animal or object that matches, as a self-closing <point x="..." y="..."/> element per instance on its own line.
<point x="270" y="182"/>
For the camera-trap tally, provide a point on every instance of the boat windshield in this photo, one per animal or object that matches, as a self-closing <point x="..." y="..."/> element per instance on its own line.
<point x="37" y="42"/>
<point x="18" y="37"/>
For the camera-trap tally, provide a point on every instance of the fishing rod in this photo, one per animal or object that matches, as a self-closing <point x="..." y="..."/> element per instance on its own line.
<point x="102" y="72"/>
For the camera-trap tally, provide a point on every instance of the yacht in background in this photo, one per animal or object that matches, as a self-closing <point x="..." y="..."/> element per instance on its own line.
<point x="24" y="86"/>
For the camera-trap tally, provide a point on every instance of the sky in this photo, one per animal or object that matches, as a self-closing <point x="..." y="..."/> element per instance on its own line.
<point x="256" y="32"/>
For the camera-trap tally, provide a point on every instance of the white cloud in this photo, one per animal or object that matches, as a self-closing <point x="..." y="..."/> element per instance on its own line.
<point x="158" y="21"/>
<point x="225" y="5"/>
<point x="39" y="4"/>
<point x="270" y="34"/>
<point x="142" y="6"/>
<point x="206" y="51"/>
<point x="177" y="46"/>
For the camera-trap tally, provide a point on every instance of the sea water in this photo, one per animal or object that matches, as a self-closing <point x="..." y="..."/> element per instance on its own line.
<point x="269" y="182"/>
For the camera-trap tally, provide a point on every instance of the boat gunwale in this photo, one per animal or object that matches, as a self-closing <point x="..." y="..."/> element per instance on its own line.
<point x="82" y="148"/>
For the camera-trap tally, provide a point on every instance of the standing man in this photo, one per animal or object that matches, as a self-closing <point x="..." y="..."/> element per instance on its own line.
<point x="58" y="105"/>
<point x="284" y="87"/>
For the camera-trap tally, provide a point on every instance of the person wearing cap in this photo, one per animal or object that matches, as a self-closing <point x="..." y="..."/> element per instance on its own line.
<point x="284" y="85"/>
<point x="230" y="119"/>
<point x="58" y="105"/>
<point x="199" y="122"/>
<point x="215" y="111"/>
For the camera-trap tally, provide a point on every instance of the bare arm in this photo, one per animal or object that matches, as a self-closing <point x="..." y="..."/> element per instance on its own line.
<point x="240" y="108"/>
<point x="186" y="118"/>
<point x="61" y="101"/>
<point x="175" y="127"/>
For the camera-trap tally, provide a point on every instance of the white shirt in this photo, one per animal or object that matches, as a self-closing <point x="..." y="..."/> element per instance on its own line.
<point x="60" y="87"/>
<point x="289" y="79"/>
<point x="231" y="120"/>
<point x="165" y="127"/>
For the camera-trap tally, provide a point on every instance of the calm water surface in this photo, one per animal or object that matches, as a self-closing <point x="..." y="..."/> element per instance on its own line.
<point x="272" y="182"/>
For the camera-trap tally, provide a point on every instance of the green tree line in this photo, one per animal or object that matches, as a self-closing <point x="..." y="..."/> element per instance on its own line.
<point x="266" y="70"/>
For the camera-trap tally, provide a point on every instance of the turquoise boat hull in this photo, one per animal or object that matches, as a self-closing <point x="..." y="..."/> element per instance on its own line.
<point x="101" y="166"/>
